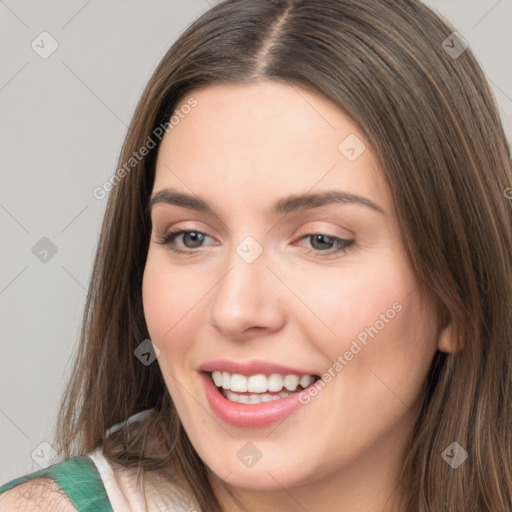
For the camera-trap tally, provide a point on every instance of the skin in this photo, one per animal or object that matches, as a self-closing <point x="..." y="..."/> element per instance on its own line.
<point x="241" y="149"/>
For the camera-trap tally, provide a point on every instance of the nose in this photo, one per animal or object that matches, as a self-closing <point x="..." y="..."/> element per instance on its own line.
<point x="247" y="300"/>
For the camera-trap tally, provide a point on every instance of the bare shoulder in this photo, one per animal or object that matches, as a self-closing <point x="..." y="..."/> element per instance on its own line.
<point x="38" y="495"/>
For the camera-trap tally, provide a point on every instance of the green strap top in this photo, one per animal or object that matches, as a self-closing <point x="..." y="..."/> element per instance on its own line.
<point x="79" y="479"/>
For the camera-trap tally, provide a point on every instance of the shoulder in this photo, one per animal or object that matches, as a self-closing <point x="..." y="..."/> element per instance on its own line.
<point x="40" y="494"/>
<point x="62" y="487"/>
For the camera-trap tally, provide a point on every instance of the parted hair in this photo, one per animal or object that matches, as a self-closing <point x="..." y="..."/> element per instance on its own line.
<point x="432" y="120"/>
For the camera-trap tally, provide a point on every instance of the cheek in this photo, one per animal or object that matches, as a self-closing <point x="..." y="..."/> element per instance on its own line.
<point x="351" y="305"/>
<point x="378" y="331"/>
<point x="403" y="358"/>
<point x="170" y="298"/>
<point x="171" y="303"/>
<point x="386" y="362"/>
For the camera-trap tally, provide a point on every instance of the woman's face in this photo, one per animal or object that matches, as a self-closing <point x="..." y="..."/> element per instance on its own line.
<point x="287" y="273"/>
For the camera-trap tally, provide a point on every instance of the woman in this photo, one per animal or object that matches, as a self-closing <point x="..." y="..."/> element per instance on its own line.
<point x="309" y="222"/>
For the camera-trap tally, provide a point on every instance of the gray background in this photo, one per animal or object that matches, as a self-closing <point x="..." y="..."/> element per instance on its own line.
<point x="62" y="125"/>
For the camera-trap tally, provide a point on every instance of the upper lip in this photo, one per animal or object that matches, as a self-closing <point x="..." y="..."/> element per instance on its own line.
<point x="253" y="367"/>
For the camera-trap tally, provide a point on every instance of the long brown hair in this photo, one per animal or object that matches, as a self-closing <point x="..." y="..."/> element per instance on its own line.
<point x="431" y="118"/>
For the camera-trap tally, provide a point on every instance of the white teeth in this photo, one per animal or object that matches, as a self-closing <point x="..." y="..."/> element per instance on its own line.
<point x="260" y="383"/>
<point x="257" y="383"/>
<point x="232" y="396"/>
<point x="253" y="399"/>
<point x="226" y="380"/>
<point x="306" y="380"/>
<point x="217" y="378"/>
<point x="275" y="382"/>
<point x="238" y="383"/>
<point x="243" y="399"/>
<point x="291" y="382"/>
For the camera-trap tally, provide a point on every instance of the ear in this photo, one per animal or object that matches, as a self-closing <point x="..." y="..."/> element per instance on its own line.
<point x="446" y="340"/>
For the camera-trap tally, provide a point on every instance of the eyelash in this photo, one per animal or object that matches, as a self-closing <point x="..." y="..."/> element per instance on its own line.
<point x="168" y="239"/>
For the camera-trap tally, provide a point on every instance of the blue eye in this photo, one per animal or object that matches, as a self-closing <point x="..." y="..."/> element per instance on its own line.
<point x="332" y="244"/>
<point x="197" y="237"/>
<point x="322" y="244"/>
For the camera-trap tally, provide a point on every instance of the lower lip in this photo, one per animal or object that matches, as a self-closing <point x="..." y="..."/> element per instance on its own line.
<point x="248" y="415"/>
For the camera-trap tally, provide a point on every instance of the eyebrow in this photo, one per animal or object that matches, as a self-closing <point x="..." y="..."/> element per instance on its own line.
<point x="293" y="203"/>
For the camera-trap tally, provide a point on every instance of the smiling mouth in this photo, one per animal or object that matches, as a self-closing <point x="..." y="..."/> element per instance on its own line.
<point x="254" y="389"/>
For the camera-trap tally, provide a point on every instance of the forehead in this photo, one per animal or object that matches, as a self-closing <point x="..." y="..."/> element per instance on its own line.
<point x="261" y="140"/>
